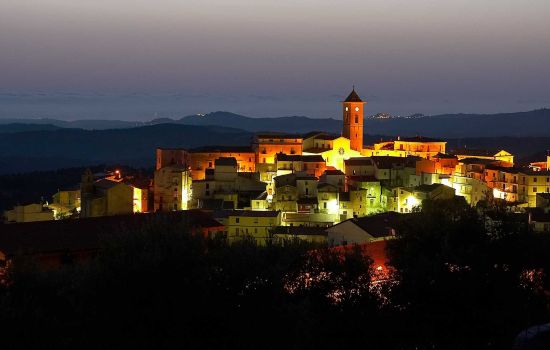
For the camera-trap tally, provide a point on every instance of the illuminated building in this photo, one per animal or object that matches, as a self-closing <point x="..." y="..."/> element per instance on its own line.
<point x="251" y="224"/>
<point x="503" y="181"/>
<point x="473" y="190"/>
<point x="327" y="198"/>
<point x="65" y="202"/>
<point x="295" y="192"/>
<point x="334" y="177"/>
<point x="501" y="155"/>
<point x="540" y="221"/>
<point x="405" y="199"/>
<point x="367" y="229"/>
<point x="417" y="146"/>
<point x="141" y="188"/>
<point x="438" y="164"/>
<point x="267" y="146"/>
<point x="313" y="234"/>
<point x="171" y="157"/>
<point x="172" y="188"/>
<point x="292" y="163"/>
<point x="532" y="183"/>
<point x="201" y="159"/>
<point x="359" y="166"/>
<point x="28" y="213"/>
<point x="365" y="193"/>
<point x="542" y="165"/>
<point x="395" y="171"/>
<point x="340" y="150"/>
<point x="224" y="183"/>
<point x="317" y="142"/>
<point x="420" y="146"/>
<point x="105" y="197"/>
<point x="352" y="110"/>
<point x="311" y="219"/>
<point x="261" y="202"/>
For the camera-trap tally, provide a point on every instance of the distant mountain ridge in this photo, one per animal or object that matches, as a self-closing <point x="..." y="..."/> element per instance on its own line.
<point x="518" y="124"/>
<point x="52" y="149"/>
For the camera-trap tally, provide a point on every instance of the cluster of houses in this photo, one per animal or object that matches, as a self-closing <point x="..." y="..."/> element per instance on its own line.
<point x="318" y="186"/>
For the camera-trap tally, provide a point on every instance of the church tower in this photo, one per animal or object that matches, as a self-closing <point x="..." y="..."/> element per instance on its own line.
<point x="352" y="109"/>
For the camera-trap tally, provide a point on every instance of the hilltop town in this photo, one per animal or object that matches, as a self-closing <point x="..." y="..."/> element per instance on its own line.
<point x="318" y="186"/>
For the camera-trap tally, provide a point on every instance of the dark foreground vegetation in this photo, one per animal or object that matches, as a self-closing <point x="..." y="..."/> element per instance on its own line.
<point x="461" y="281"/>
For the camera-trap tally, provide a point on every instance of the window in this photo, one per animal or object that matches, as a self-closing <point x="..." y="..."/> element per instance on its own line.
<point x="534" y="189"/>
<point x="236" y="220"/>
<point x="210" y="164"/>
<point x="324" y="205"/>
<point x="207" y="186"/>
<point x="534" y="179"/>
<point x="356" y="119"/>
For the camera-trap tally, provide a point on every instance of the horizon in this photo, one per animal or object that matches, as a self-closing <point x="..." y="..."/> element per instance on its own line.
<point x="140" y="60"/>
<point x="177" y="117"/>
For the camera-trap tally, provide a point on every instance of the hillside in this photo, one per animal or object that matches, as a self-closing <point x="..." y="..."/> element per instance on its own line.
<point x="52" y="149"/>
<point x="20" y="127"/>
<point x="283" y="124"/>
<point x="519" y="124"/>
<point x="522" y="124"/>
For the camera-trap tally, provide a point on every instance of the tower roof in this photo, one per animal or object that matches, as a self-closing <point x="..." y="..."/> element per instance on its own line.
<point x="353" y="97"/>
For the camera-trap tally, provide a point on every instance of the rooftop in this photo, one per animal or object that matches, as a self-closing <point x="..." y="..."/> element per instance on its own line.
<point x="299" y="158"/>
<point x="105" y="183"/>
<point x="427" y="188"/>
<point x="379" y="225"/>
<point x="254" y="213"/>
<point x="444" y="156"/>
<point x="222" y="149"/>
<point x="388" y="162"/>
<point x="308" y="200"/>
<point x="353" y="97"/>
<point x="359" y="161"/>
<point x="275" y="135"/>
<point x="475" y="152"/>
<point x="420" y="139"/>
<point x="300" y="230"/>
<point x="333" y="172"/>
<point x="227" y="161"/>
<point x="473" y="160"/>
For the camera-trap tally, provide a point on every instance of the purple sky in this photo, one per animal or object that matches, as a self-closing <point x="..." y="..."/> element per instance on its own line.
<point x="73" y="58"/>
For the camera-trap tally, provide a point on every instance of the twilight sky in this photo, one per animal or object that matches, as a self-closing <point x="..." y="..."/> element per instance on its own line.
<point x="137" y="59"/>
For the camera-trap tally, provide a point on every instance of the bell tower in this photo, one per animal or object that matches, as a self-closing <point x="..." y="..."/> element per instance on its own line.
<point x="352" y="109"/>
